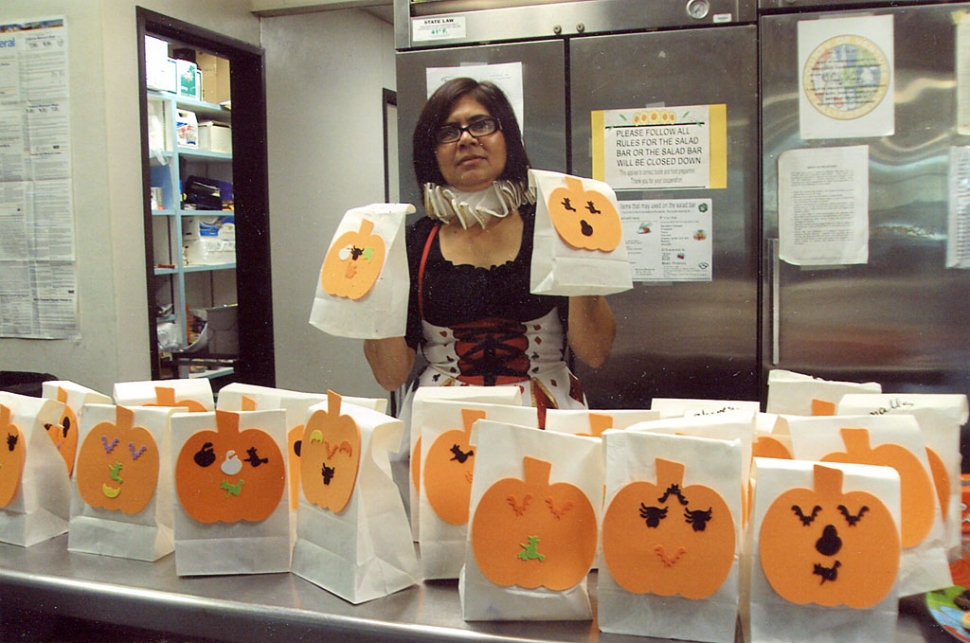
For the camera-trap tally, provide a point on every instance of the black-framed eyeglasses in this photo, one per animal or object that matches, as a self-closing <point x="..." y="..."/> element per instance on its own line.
<point x="452" y="133"/>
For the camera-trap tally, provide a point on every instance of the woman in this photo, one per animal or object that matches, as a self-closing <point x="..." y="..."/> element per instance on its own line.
<point x="470" y="309"/>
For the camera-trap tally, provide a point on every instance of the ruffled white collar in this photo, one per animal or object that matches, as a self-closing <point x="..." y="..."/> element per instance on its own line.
<point x="447" y="204"/>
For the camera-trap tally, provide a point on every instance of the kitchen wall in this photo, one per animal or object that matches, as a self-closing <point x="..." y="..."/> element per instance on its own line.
<point x="325" y="72"/>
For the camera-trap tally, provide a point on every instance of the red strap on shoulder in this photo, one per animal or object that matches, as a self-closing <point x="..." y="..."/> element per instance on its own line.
<point x="424" y="261"/>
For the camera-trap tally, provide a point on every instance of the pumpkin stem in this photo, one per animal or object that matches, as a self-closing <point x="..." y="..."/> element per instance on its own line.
<point x="469" y="417"/>
<point x="856" y="441"/>
<point x="333" y="402"/>
<point x="165" y="396"/>
<point x="574" y="184"/>
<point x="535" y="472"/>
<point x="247" y="403"/>
<point x="62" y="394"/>
<point x="124" y="418"/>
<point x="4" y="415"/>
<point x="828" y="482"/>
<point x="366" y="226"/>
<point x="669" y="472"/>
<point x="227" y="422"/>
<point x="599" y="423"/>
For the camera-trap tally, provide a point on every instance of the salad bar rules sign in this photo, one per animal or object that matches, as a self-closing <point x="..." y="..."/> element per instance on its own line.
<point x="661" y="148"/>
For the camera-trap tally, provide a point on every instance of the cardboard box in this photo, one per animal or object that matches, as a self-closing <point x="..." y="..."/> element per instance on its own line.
<point x="215" y="78"/>
<point x="208" y="240"/>
<point x="222" y="327"/>
<point x="215" y="137"/>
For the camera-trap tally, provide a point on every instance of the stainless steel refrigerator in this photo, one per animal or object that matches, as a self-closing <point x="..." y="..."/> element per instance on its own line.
<point x="900" y="316"/>
<point x="676" y="338"/>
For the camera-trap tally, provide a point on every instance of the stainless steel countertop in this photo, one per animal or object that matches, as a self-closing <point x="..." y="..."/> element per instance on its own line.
<point x="283" y="607"/>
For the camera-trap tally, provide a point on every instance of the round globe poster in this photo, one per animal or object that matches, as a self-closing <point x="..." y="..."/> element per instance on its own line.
<point x="846" y="77"/>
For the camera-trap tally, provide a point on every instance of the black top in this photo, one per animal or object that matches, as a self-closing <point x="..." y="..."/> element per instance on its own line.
<point x="456" y="294"/>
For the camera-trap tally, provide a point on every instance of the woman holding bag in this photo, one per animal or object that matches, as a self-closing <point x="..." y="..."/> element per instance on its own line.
<point x="470" y="311"/>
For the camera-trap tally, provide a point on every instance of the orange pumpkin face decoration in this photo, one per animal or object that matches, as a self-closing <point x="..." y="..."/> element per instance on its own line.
<point x="448" y="471"/>
<point x="918" y="494"/>
<point x="228" y="475"/>
<point x="118" y="465"/>
<point x="828" y="547"/>
<point x="330" y="456"/>
<point x="666" y="539"/>
<point x="353" y="263"/>
<point x="165" y="396"/>
<point x="584" y="219"/>
<point x="64" y="433"/>
<point x="530" y="533"/>
<point x="13" y="455"/>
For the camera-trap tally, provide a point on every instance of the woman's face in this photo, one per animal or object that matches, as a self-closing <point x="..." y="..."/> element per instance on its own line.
<point x="471" y="164"/>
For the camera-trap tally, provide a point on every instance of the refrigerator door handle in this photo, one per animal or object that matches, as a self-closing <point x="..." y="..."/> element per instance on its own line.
<point x="774" y="295"/>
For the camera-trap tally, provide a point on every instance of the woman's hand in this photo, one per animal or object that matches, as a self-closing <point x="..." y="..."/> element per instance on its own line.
<point x="390" y="359"/>
<point x="592" y="329"/>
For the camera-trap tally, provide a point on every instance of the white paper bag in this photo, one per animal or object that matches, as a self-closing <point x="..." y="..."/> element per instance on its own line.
<point x="797" y="394"/>
<point x="893" y="441"/>
<point x="592" y="422"/>
<point x="448" y="461"/>
<point x="65" y="433"/>
<point x="35" y="491"/>
<point x="193" y="396"/>
<point x="578" y="240"/>
<point x="362" y="290"/>
<point x="352" y="530"/>
<point x="940" y="418"/>
<point x="677" y="407"/>
<point x="231" y="514"/>
<point x="413" y="415"/>
<point x="671" y="536"/>
<point x="121" y="504"/>
<point x="532" y="538"/>
<point x="803" y="506"/>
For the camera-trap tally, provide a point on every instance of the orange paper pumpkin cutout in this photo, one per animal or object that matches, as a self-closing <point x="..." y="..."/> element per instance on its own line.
<point x="584" y="219"/>
<point x="118" y="464"/>
<point x="165" y="396"/>
<point x="530" y="533"/>
<point x="353" y="263"/>
<point x="448" y="471"/>
<point x="766" y="446"/>
<point x="822" y="408"/>
<point x="330" y="455"/>
<point x="597" y="424"/>
<point x="294" y="443"/>
<point x="64" y="433"/>
<point x="228" y="475"/>
<point x="916" y="489"/>
<point x="828" y="547"/>
<point x="666" y="539"/>
<point x="13" y="455"/>
<point x="941" y="480"/>
<point x="416" y="466"/>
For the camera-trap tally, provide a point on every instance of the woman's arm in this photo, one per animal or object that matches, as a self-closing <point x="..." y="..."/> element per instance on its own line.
<point x="592" y="329"/>
<point x="391" y="361"/>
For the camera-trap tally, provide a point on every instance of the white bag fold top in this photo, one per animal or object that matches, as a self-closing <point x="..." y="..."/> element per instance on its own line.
<point x="791" y="393"/>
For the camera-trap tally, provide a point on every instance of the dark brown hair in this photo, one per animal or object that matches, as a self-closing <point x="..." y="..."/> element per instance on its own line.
<point x="436" y="112"/>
